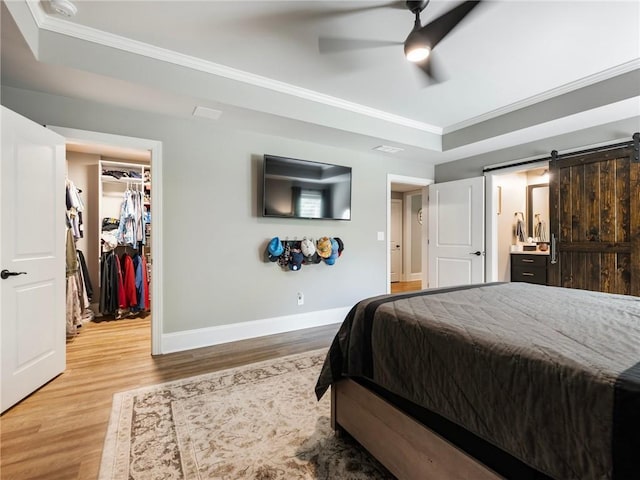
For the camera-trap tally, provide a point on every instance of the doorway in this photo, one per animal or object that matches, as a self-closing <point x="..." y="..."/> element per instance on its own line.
<point x="406" y="233"/>
<point x="126" y="148"/>
<point x="507" y="202"/>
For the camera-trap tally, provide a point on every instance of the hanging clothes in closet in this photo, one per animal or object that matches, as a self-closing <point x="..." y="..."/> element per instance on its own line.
<point x="79" y="289"/>
<point x="75" y="207"/>
<point x="109" y="281"/>
<point x="125" y="288"/>
<point x="131" y="229"/>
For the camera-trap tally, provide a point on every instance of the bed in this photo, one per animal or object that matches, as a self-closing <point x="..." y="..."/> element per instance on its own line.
<point x="504" y="380"/>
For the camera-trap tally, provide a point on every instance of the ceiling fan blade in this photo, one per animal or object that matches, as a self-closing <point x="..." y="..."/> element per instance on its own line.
<point x="336" y="45"/>
<point x="432" y="73"/>
<point x="399" y="5"/>
<point x="440" y="27"/>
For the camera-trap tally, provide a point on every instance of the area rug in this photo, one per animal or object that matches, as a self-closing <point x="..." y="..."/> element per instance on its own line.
<point x="260" y="422"/>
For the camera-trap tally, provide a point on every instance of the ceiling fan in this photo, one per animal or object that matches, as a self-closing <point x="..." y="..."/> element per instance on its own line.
<point x="420" y="41"/>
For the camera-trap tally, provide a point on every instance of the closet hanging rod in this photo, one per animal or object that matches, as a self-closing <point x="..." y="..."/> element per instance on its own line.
<point x="110" y="163"/>
<point x="109" y="178"/>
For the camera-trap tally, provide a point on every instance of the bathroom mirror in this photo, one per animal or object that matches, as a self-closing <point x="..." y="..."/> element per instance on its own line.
<point x="538" y="212"/>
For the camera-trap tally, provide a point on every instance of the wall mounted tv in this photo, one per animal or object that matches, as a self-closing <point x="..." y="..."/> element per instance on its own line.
<point x="304" y="189"/>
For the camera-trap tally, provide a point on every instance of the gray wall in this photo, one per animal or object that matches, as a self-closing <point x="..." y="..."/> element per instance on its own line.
<point x="213" y="236"/>
<point x="617" y="131"/>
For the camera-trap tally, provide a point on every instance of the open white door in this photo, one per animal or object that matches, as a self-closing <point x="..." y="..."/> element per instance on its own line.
<point x="456" y="232"/>
<point x="32" y="257"/>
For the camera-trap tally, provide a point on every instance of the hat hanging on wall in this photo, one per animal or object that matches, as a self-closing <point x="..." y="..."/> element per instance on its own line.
<point x="308" y="248"/>
<point x="292" y="254"/>
<point x="334" y="253"/>
<point x="296" y="260"/>
<point x="283" y="260"/>
<point x="274" y="249"/>
<point x="323" y="247"/>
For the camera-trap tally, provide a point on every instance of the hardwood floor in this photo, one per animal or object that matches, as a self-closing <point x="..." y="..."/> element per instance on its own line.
<point x="398" y="287"/>
<point x="58" y="431"/>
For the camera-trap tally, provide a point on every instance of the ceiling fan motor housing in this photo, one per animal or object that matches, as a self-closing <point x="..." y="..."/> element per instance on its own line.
<point x="416" y="39"/>
<point x="417" y="7"/>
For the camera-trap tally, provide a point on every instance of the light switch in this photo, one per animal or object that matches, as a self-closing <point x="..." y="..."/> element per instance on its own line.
<point x="381" y="236"/>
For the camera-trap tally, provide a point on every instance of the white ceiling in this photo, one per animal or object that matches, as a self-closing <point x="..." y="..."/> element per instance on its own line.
<point x="260" y="60"/>
<point x="502" y="53"/>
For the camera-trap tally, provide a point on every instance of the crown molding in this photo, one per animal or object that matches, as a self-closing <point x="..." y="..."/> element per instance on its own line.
<point x="37" y="12"/>
<point x="554" y="92"/>
<point x="57" y="25"/>
<point x="89" y="34"/>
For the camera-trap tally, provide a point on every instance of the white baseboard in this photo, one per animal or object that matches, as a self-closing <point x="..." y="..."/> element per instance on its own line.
<point x="414" y="277"/>
<point x="205" y="337"/>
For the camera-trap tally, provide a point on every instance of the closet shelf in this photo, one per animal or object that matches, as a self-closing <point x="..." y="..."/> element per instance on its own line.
<point x="123" y="180"/>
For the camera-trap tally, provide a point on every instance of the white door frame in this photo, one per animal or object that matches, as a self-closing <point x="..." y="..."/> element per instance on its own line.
<point x="419" y="182"/>
<point x="86" y="136"/>
<point x="493" y="206"/>
<point x="407" y="221"/>
<point x="399" y="218"/>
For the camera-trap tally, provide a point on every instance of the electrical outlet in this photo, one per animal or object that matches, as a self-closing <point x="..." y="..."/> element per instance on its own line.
<point x="300" y="298"/>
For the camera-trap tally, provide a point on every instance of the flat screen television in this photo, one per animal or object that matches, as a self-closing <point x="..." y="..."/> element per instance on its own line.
<point x="295" y="188"/>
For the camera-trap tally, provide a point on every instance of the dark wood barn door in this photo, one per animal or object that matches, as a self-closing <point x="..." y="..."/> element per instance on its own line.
<point x="594" y="203"/>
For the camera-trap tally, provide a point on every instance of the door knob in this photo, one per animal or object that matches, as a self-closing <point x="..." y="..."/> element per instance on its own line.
<point x="478" y="253"/>
<point x="4" y="274"/>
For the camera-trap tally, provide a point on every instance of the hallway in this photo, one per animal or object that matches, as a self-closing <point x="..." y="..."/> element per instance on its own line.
<point x="399" y="287"/>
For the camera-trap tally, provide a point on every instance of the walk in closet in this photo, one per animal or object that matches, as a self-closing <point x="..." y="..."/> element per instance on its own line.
<point x="114" y="236"/>
<point x="125" y="214"/>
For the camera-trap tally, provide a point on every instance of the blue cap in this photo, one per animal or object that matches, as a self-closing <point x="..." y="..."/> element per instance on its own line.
<point x="296" y="261"/>
<point x="334" y="253"/>
<point x="275" y="248"/>
<point x="335" y="247"/>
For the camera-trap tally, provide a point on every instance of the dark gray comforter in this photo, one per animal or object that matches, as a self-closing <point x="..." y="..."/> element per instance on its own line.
<point x="549" y="375"/>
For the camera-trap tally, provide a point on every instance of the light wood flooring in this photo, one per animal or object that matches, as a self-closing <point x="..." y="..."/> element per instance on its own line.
<point x="58" y="431"/>
<point x="398" y="287"/>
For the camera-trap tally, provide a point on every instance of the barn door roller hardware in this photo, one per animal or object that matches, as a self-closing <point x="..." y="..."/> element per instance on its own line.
<point x="636" y="147"/>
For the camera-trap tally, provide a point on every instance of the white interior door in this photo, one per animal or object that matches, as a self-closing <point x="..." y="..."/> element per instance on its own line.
<point x="456" y="232"/>
<point x="32" y="232"/>
<point x="395" y="240"/>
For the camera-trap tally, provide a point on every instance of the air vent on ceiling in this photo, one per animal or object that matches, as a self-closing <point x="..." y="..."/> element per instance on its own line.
<point x="207" y="112"/>
<point x="388" y="149"/>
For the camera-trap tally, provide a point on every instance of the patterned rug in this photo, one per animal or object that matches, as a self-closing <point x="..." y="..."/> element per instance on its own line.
<point x="260" y="422"/>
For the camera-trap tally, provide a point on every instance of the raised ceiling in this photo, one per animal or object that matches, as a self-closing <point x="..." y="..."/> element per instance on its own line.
<point x="513" y="70"/>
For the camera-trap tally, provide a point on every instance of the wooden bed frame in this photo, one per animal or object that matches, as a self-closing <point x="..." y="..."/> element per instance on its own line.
<point x="407" y="448"/>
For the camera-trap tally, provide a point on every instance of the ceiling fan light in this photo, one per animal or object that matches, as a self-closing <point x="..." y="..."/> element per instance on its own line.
<point x="416" y="46"/>
<point x="417" y="53"/>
